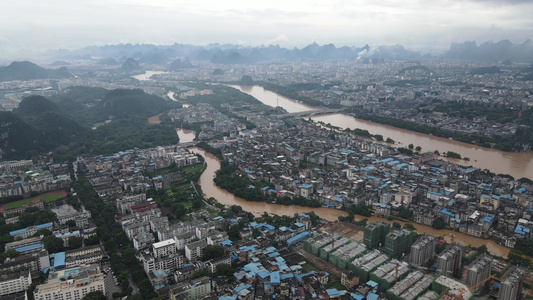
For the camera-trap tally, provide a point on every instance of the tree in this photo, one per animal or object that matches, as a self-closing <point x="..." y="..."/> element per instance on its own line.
<point x="396" y="225"/>
<point x="411" y="146"/>
<point x="8" y="254"/>
<point x="199" y="274"/>
<point x="526" y="180"/>
<point x="483" y="249"/>
<point x="179" y="209"/>
<point x="92" y="240"/>
<point x="438" y="223"/>
<point x="409" y="226"/>
<point x="360" y="209"/>
<point x="405" y="151"/>
<point x="405" y="213"/>
<point x="71" y="223"/>
<point x="247" y="80"/>
<point x="212" y="252"/>
<point x="53" y="244"/>
<point x="234" y="233"/>
<point x="452" y="154"/>
<point x="75" y="242"/>
<point x="224" y="270"/>
<point x="97" y="295"/>
<point x="437" y="152"/>
<point x="44" y="232"/>
<point x="197" y="204"/>
<point x="418" y="148"/>
<point x="314" y="218"/>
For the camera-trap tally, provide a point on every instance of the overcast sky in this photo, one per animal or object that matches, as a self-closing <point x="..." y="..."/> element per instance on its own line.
<point x="417" y="24"/>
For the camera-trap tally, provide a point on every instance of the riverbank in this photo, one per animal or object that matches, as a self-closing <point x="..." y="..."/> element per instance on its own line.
<point x="256" y="208"/>
<point x="224" y="197"/>
<point x="516" y="164"/>
<point x="503" y="144"/>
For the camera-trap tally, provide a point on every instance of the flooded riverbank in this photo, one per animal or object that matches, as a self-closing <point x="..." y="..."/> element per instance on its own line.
<point x="516" y="164"/>
<point x="210" y="189"/>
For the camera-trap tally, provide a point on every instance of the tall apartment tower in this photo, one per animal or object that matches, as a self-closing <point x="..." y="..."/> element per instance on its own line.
<point x="375" y="234"/>
<point x="511" y="285"/>
<point x="449" y="261"/>
<point x="478" y="271"/>
<point x="423" y="250"/>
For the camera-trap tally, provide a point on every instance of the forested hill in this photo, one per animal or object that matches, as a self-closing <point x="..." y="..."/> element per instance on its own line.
<point x="90" y="106"/>
<point x="41" y="113"/>
<point x="25" y="70"/>
<point x="35" y="105"/>
<point x="40" y="125"/>
<point x="18" y="137"/>
<point x="122" y="104"/>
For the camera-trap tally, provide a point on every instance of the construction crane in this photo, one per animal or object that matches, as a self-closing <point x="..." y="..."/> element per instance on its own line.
<point x="397" y="265"/>
<point x="463" y="291"/>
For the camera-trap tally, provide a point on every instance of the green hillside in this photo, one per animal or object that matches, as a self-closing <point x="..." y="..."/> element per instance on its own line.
<point x="25" y="70"/>
<point x="123" y="104"/>
<point x="19" y="139"/>
<point x="35" y="105"/>
<point x="63" y="126"/>
<point x="95" y="105"/>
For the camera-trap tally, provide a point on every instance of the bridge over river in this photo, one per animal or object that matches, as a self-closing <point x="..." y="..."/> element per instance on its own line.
<point x="310" y="113"/>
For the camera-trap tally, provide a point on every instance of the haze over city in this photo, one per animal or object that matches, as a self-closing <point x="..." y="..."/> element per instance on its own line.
<point x="31" y="27"/>
<point x="239" y="150"/>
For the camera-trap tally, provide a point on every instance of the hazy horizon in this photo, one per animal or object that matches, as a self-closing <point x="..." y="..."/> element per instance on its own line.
<point x="34" y="27"/>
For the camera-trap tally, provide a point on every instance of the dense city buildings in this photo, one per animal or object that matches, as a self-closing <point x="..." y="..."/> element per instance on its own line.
<point x="285" y="157"/>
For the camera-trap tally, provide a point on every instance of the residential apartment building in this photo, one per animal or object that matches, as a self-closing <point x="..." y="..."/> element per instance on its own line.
<point x="194" y="250"/>
<point x="511" y="285"/>
<point x="14" y="283"/>
<point x="423" y="250"/>
<point x="164" y="248"/>
<point x="399" y="242"/>
<point x="71" y="284"/>
<point x="478" y="271"/>
<point x="193" y="289"/>
<point x="449" y="261"/>
<point x="375" y="233"/>
<point x="29" y="231"/>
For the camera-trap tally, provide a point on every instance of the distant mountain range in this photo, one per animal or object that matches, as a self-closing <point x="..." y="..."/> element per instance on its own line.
<point x="231" y="54"/>
<point x="235" y="54"/>
<point x="489" y="51"/>
<point x="25" y="70"/>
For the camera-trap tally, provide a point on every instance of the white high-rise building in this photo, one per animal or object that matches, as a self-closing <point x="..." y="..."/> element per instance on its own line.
<point x="511" y="285"/>
<point x="164" y="248"/>
<point x="14" y="283"/>
<point x="478" y="271"/>
<point x="449" y="261"/>
<point x="72" y="284"/>
<point x="423" y="250"/>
